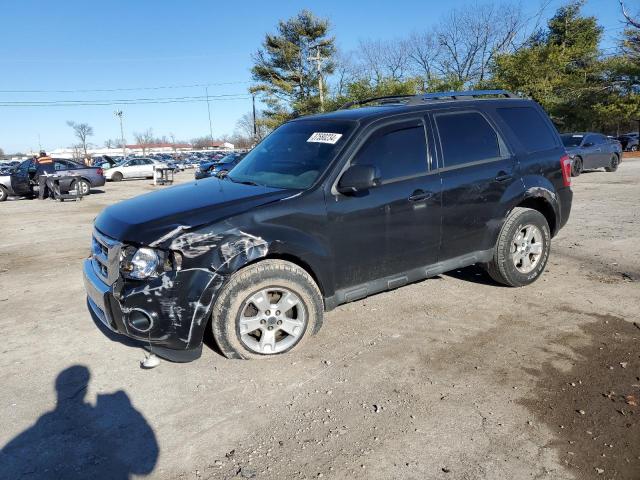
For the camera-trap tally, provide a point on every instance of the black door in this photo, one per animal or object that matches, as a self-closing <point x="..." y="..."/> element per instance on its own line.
<point x="395" y="226"/>
<point x="477" y="172"/>
<point x="20" y="178"/>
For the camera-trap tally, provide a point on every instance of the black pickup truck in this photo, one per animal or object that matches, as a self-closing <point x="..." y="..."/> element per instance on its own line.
<point x="329" y="209"/>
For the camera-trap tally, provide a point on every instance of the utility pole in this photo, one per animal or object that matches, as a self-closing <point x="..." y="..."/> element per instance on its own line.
<point x="39" y="143"/>
<point x="119" y="114"/>
<point x="206" y="90"/>
<point x="318" y="59"/>
<point x="255" y="129"/>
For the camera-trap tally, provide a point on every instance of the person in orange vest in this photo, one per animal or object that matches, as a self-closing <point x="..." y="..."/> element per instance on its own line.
<point x="44" y="167"/>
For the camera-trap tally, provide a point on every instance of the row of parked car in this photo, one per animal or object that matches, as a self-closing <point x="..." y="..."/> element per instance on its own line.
<point x="18" y="178"/>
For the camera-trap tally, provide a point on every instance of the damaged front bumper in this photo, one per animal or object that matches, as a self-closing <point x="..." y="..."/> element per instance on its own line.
<point x="168" y="312"/>
<point x="152" y="312"/>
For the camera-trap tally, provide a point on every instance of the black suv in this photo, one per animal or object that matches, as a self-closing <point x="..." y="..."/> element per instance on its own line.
<point x="329" y="209"/>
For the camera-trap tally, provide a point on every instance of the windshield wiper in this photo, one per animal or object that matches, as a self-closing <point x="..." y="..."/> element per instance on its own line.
<point x="243" y="182"/>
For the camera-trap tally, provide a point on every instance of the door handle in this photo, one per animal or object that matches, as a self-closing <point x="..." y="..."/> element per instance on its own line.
<point x="420" y="195"/>
<point x="502" y="176"/>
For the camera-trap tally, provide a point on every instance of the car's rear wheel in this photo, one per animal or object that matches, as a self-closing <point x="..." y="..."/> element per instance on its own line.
<point x="613" y="164"/>
<point x="84" y="187"/>
<point x="634" y="148"/>
<point x="117" y="177"/>
<point x="522" y="249"/>
<point x="3" y="194"/>
<point x="266" y="309"/>
<point x="576" y="167"/>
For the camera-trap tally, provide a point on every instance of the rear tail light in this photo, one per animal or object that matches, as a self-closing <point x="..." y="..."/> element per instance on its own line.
<point x="101" y="172"/>
<point x="565" y="164"/>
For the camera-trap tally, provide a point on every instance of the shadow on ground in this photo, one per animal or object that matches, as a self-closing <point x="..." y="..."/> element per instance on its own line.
<point x="594" y="408"/>
<point x="77" y="440"/>
<point x="474" y="274"/>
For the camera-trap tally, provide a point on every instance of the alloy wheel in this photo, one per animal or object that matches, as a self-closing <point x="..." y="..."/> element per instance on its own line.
<point x="526" y="248"/>
<point x="272" y="320"/>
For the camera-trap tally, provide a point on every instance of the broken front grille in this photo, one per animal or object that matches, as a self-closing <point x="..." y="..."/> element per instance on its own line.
<point x="105" y="252"/>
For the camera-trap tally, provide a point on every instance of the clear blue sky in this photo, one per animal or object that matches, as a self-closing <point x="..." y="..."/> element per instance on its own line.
<point x="76" y="45"/>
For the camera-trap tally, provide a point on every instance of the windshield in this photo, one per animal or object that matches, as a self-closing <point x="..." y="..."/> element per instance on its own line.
<point x="294" y="155"/>
<point x="571" y="140"/>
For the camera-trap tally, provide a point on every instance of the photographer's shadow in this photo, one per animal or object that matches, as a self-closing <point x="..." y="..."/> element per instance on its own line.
<point x="77" y="440"/>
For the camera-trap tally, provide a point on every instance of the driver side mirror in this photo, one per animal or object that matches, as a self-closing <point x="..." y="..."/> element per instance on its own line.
<point x="358" y="178"/>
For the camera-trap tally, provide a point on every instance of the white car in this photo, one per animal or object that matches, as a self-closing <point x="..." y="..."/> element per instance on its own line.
<point x="132" y="168"/>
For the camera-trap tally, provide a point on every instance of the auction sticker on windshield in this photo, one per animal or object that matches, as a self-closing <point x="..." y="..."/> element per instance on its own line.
<point x="322" y="137"/>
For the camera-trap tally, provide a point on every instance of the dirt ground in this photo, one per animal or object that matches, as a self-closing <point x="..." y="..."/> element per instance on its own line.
<point x="450" y="378"/>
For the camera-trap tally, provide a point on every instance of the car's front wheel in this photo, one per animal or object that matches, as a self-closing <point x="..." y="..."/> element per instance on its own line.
<point x="3" y="194"/>
<point x="266" y="309"/>
<point x="522" y="249"/>
<point x="117" y="177"/>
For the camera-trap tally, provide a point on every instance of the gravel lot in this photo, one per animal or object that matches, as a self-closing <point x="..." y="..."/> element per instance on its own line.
<point x="453" y="377"/>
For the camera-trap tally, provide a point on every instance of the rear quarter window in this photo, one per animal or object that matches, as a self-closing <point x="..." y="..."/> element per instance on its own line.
<point x="466" y="137"/>
<point x="530" y="127"/>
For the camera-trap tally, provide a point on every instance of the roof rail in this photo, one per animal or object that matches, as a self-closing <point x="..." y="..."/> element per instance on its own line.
<point x="427" y="97"/>
<point x="380" y="100"/>
<point x="466" y="93"/>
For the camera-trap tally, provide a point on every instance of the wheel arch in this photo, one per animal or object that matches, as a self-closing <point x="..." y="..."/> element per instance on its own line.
<point x="296" y="260"/>
<point x="545" y="207"/>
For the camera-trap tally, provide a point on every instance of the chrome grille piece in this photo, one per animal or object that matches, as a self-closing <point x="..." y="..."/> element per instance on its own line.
<point x="105" y="253"/>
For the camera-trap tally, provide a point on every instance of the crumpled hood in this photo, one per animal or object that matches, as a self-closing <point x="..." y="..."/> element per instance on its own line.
<point x="146" y="218"/>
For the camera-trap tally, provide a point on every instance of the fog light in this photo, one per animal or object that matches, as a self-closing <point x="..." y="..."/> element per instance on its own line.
<point x="140" y="320"/>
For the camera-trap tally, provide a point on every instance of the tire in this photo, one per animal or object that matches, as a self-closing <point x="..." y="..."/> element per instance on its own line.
<point x="576" y="167"/>
<point x="634" y="148"/>
<point x="117" y="177"/>
<point x="85" y="187"/>
<point x="613" y="164"/>
<point x="505" y="268"/>
<point x="245" y="289"/>
<point x="3" y="194"/>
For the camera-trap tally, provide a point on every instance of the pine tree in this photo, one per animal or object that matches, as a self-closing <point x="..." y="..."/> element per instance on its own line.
<point x="286" y="76"/>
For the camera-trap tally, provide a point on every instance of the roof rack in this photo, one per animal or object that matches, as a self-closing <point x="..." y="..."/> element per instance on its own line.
<point x="379" y="100"/>
<point x="429" y="97"/>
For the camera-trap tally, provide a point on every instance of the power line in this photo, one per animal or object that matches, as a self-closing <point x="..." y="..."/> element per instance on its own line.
<point x="130" y="89"/>
<point x="133" y="101"/>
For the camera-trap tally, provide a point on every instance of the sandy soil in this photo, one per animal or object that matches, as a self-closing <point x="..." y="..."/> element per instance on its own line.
<point x="453" y="377"/>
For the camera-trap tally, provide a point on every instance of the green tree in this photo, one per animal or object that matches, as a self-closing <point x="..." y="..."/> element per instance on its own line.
<point x="291" y="67"/>
<point x="560" y="68"/>
<point x="364" y="88"/>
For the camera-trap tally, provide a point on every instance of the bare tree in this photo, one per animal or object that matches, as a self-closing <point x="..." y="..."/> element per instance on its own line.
<point x="201" y="142"/>
<point x="244" y="127"/>
<point x="82" y="132"/>
<point x="144" y="139"/>
<point x="384" y="59"/>
<point x="469" y="40"/>
<point x="630" y="20"/>
<point x="347" y="69"/>
<point x="423" y="50"/>
<point x="631" y="42"/>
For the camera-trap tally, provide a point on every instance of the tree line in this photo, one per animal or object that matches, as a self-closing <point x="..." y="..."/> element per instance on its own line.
<point x="559" y="62"/>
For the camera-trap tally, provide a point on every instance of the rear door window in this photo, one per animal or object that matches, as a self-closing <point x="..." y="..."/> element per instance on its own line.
<point x="530" y="127"/>
<point x="397" y="151"/>
<point x="466" y="137"/>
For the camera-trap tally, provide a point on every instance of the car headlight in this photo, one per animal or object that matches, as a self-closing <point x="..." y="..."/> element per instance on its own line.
<point x="144" y="262"/>
<point x="141" y="264"/>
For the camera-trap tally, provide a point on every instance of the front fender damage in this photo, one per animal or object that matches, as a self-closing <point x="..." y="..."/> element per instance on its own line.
<point x="180" y="301"/>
